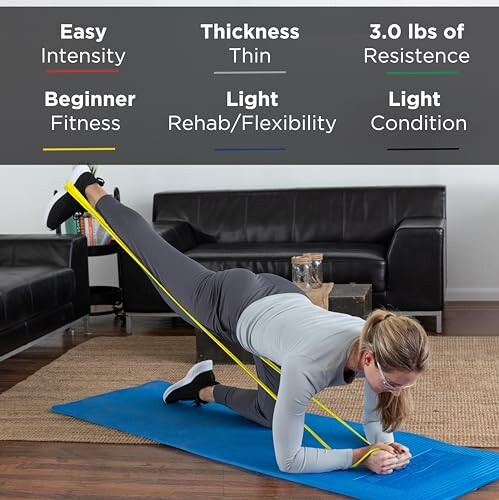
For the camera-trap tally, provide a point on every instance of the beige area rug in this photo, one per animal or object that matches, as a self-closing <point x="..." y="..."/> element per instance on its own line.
<point x="457" y="400"/>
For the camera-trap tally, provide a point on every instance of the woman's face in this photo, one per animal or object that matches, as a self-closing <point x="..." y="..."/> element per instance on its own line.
<point x="393" y="381"/>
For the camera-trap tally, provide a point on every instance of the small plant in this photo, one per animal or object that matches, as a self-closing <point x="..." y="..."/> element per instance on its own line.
<point x="93" y="169"/>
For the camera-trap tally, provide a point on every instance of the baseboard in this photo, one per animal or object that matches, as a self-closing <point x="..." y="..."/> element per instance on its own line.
<point x="472" y="294"/>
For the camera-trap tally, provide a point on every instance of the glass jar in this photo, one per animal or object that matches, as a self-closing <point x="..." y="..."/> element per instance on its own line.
<point x="316" y="272"/>
<point x="300" y="271"/>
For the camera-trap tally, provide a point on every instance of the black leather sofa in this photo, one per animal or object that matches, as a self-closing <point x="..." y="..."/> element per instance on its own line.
<point x="392" y="237"/>
<point x="43" y="286"/>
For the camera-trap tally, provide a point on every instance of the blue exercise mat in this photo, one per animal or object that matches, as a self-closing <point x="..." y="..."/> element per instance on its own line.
<point x="437" y="471"/>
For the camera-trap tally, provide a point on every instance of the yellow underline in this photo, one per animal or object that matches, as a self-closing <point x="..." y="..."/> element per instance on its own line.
<point x="78" y="149"/>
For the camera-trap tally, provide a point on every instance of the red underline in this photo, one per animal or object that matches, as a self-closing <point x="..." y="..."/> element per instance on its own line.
<point x="82" y="70"/>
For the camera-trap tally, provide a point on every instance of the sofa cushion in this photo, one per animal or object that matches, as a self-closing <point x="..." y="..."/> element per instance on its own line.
<point x="352" y="214"/>
<point x="343" y="262"/>
<point x="28" y="290"/>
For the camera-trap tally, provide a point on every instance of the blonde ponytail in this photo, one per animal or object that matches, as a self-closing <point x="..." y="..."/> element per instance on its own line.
<point x="398" y="343"/>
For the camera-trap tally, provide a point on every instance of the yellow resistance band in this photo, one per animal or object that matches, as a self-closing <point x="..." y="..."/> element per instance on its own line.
<point x="71" y="189"/>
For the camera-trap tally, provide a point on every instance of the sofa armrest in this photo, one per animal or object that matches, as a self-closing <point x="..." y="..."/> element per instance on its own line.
<point x="179" y="234"/>
<point x="416" y="265"/>
<point x="421" y="223"/>
<point x="66" y="251"/>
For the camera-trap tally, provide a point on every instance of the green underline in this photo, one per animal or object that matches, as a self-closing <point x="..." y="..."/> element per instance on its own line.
<point x="423" y="72"/>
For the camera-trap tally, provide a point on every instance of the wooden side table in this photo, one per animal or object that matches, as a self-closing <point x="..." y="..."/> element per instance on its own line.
<point x="351" y="298"/>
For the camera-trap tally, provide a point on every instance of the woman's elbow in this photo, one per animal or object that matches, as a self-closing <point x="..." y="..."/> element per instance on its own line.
<point x="287" y="465"/>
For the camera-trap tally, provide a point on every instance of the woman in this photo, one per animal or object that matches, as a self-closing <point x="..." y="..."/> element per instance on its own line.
<point x="271" y="317"/>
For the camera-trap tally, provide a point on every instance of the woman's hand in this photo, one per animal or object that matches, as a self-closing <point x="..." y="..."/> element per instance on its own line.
<point x="382" y="461"/>
<point x="403" y="454"/>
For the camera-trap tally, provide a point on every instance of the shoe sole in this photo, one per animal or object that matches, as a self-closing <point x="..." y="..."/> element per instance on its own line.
<point x="55" y="198"/>
<point x="201" y="367"/>
<point x="75" y="174"/>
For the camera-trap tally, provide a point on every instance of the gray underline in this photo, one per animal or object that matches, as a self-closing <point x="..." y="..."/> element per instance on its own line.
<point x="249" y="72"/>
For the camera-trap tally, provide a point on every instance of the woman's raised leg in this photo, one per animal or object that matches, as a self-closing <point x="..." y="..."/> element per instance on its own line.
<point x="187" y="280"/>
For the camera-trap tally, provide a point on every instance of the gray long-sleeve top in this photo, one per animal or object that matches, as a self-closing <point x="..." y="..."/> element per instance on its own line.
<point x="312" y="346"/>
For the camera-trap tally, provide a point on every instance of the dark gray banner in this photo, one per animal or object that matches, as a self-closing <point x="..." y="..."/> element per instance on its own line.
<point x="234" y="85"/>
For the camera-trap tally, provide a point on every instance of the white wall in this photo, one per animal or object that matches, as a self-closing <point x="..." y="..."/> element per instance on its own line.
<point x="472" y="191"/>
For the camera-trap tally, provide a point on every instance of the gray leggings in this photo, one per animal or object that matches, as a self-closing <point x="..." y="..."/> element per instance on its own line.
<point x="215" y="299"/>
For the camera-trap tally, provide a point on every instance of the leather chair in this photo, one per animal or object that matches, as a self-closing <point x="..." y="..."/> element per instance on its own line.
<point x="392" y="237"/>
<point x="43" y="287"/>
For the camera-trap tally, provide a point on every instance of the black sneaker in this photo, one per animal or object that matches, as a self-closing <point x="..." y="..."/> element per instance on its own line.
<point x="62" y="205"/>
<point x="187" y="389"/>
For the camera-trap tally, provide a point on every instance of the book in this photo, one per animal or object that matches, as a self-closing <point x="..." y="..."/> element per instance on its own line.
<point x="71" y="225"/>
<point x="91" y="234"/>
<point x="101" y="236"/>
<point x="88" y="226"/>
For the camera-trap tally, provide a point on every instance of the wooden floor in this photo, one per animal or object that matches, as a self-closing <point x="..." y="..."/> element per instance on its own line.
<point x="92" y="471"/>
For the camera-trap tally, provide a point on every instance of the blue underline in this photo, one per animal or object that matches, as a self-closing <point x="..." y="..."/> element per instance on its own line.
<point x="250" y="149"/>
